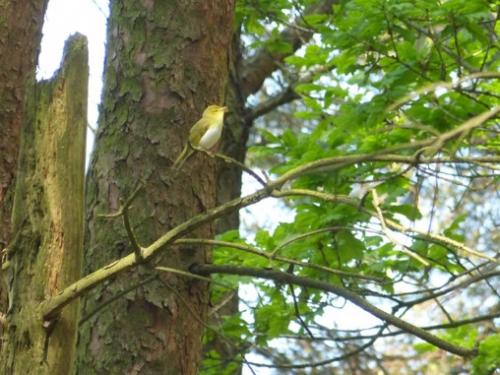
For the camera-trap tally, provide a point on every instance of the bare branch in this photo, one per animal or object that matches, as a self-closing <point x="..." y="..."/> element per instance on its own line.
<point x="352" y="297"/>
<point x="297" y="312"/>
<point x="342" y="357"/>
<point x="454" y="324"/>
<point x="443" y="85"/>
<point x="231" y="160"/>
<point x="123" y="211"/>
<point x="388" y="233"/>
<point x="192" y="275"/>
<point x="286" y="96"/>
<point x="271" y="256"/>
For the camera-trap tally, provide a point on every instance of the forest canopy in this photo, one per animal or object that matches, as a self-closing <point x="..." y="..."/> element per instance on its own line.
<point x="389" y="112"/>
<point x="346" y="221"/>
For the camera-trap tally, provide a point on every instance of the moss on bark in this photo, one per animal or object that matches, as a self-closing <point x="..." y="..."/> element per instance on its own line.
<point x="48" y="218"/>
<point x="166" y="61"/>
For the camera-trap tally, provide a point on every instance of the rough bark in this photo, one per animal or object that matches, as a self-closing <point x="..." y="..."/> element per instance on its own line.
<point x="20" y="35"/>
<point x="46" y="252"/>
<point x="166" y="61"/>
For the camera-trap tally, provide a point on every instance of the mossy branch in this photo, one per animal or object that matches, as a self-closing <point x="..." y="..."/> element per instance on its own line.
<point x="124" y="213"/>
<point x="51" y="307"/>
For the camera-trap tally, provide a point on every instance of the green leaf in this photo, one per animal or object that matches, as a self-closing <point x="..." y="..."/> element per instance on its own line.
<point x="424" y="347"/>
<point x="349" y="247"/>
<point x="264" y="240"/>
<point x="488" y="358"/>
<point x="410" y="211"/>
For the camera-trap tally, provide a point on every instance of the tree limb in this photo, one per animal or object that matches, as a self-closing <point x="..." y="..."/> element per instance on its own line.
<point x="51" y="307"/>
<point x="286" y="96"/>
<point x="271" y="256"/>
<point x="352" y="297"/>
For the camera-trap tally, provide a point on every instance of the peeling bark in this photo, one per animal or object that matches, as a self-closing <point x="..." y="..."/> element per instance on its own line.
<point x="48" y="214"/>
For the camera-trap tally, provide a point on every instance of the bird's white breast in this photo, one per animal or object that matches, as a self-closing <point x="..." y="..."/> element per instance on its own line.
<point x="211" y="136"/>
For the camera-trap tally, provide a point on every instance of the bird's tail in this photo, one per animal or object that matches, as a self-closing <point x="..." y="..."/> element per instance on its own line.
<point x="185" y="154"/>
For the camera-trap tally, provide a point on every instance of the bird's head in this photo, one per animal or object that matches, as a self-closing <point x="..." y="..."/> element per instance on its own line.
<point x="214" y="111"/>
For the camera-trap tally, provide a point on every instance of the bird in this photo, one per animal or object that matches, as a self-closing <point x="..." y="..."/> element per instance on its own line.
<point x="205" y="133"/>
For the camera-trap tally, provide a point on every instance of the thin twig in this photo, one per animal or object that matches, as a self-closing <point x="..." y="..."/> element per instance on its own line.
<point x="116" y="297"/>
<point x="193" y="275"/>
<point x="131" y="236"/>
<point x="253" y="250"/>
<point x="302" y="236"/>
<point x="297" y="312"/>
<point x="123" y="211"/>
<point x="443" y="85"/>
<point x="231" y="160"/>
<point x="388" y="233"/>
<point x="352" y="297"/>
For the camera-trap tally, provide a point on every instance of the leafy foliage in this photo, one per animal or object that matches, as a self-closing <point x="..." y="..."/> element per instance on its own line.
<point x="379" y="77"/>
<point x="489" y="356"/>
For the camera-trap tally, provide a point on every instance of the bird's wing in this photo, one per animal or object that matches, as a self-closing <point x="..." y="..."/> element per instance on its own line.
<point x="198" y="130"/>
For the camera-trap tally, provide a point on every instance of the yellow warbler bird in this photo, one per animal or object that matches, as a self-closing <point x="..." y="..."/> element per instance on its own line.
<point x="204" y="134"/>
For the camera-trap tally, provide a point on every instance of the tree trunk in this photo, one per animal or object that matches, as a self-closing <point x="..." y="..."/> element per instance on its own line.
<point x="166" y="61"/>
<point x="20" y="35"/>
<point x="46" y="253"/>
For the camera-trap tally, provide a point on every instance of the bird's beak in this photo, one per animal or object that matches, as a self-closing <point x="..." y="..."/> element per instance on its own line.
<point x="225" y="109"/>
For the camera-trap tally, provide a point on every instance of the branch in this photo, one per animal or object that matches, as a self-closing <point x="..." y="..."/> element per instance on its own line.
<point x="326" y="361"/>
<point x="283" y="277"/>
<point x="436" y="238"/>
<point x="443" y="85"/>
<point x="337" y="162"/>
<point x="488" y="267"/>
<point x="271" y="256"/>
<point x="286" y="96"/>
<point x="388" y="233"/>
<point x="462" y="284"/>
<point x="123" y="211"/>
<point x="231" y="160"/>
<point x="192" y="276"/>
<point x="260" y="66"/>
<point x="454" y="324"/>
<point x="51" y="307"/>
<point x="297" y="312"/>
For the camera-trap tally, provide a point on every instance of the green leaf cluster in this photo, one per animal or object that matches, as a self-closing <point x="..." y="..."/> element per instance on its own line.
<point x="378" y="75"/>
